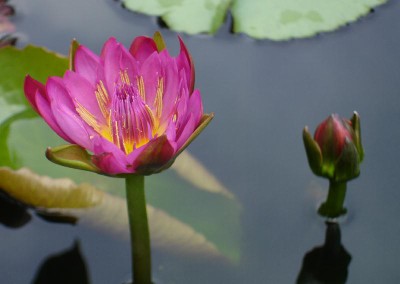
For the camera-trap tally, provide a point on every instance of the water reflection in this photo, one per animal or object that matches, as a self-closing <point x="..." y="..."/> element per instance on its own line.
<point x="328" y="263"/>
<point x="6" y="27"/>
<point x="13" y="214"/>
<point x="63" y="268"/>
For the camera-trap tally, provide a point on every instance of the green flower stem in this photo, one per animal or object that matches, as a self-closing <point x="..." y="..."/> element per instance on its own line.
<point x="333" y="206"/>
<point x="139" y="228"/>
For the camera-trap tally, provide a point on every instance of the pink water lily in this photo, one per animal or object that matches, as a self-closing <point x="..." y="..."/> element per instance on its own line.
<point x="134" y="109"/>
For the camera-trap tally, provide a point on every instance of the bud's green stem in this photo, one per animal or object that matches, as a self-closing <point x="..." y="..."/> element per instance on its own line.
<point x="333" y="206"/>
<point x="139" y="228"/>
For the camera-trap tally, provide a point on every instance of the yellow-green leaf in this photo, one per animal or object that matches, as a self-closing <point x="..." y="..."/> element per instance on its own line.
<point x="42" y="191"/>
<point x="262" y="19"/>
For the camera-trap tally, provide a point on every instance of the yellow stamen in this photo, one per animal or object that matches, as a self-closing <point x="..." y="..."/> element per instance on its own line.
<point x="102" y="99"/>
<point x="158" y="101"/>
<point x="88" y="117"/>
<point x="140" y="84"/>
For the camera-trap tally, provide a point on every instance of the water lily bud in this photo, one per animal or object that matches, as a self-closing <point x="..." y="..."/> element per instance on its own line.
<point x="335" y="152"/>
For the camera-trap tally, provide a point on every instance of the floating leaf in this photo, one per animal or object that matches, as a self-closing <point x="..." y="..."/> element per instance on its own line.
<point x="262" y="19"/>
<point x="285" y="19"/>
<point x="17" y="63"/>
<point x="191" y="16"/>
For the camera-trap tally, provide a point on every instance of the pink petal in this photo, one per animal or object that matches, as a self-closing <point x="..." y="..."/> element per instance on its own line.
<point x="110" y="58"/>
<point x="155" y="154"/>
<point x="55" y="90"/>
<point x="87" y="64"/>
<point x="185" y="62"/>
<point x="185" y="132"/>
<point x="170" y="132"/>
<point x="182" y="110"/>
<point x="109" y="164"/>
<point x="128" y="63"/>
<point x="45" y="111"/>
<point x="72" y="124"/>
<point x="142" y="47"/>
<point x="108" y="157"/>
<point x="83" y="92"/>
<point x="171" y="84"/>
<point x="117" y="59"/>
<point x="65" y="114"/>
<point x="151" y="72"/>
<point x="196" y="106"/>
<point x="31" y="89"/>
<point x="108" y="45"/>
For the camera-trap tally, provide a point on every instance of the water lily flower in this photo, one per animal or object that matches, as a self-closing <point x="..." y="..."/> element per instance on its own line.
<point x="133" y="109"/>
<point x="336" y="151"/>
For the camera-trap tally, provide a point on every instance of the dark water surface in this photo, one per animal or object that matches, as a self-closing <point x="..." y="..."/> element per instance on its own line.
<point x="263" y="93"/>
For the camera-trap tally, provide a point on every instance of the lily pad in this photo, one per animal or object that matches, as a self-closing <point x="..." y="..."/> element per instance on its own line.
<point x="24" y="138"/>
<point x="16" y="64"/>
<point x="261" y="19"/>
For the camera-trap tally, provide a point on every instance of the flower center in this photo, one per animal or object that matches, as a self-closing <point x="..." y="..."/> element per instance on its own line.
<point x="131" y="120"/>
<point x="128" y="121"/>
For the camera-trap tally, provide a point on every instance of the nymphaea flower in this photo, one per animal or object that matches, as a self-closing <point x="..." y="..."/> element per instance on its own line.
<point x="336" y="151"/>
<point x="133" y="109"/>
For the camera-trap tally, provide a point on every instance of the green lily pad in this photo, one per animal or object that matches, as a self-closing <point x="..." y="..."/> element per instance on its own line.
<point x="24" y="138"/>
<point x="261" y="19"/>
<point x="15" y="65"/>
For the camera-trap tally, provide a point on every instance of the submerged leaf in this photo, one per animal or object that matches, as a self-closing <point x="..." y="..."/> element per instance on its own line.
<point x="42" y="191"/>
<point x="191" y="170"/>
<point x="167" y="233"/>
<point x="62" y="197"/>
<point x="261" y="19"/>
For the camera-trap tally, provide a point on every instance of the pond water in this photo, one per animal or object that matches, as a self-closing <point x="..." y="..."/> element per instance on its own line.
<point x="263" y="93"/>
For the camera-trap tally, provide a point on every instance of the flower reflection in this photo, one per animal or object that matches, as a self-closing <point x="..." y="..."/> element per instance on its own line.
<point x="6" y="27"/>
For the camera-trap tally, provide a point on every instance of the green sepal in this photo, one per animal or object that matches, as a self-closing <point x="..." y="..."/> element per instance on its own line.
<point x="204" y="121"/>
<point x="347" y="166"/>
<point x="72" y="50"/>
<point x="159" y="40"/>
<point x="355" y="123"/>
<point x="72" y="156"/>
<point x="313" y="152"/>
